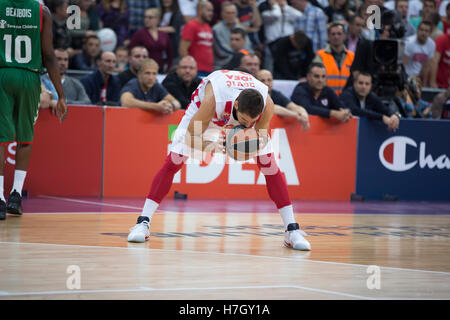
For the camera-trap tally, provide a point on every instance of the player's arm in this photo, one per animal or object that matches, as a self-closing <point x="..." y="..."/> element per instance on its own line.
<point x="263" y="125"/>
<point x="201" y="120"/>
<point x="49" y="61"/>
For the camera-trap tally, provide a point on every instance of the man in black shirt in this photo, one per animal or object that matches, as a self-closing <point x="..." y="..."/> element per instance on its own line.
<point x="364" y="103"/>
<point x="283" y="106"/>
<point x="317" y="98"/>
<point x="137" y="55"/>
<point x="183" y="81"/>
<point x="297" y="52"/>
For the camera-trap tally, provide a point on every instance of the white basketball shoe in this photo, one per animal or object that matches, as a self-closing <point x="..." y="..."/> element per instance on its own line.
<point x="293" y="238"/>
<point x="141" y="231"/>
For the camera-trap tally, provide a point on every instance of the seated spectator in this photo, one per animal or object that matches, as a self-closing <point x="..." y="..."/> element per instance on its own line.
<point x="317" y="98"/>
<point x="137" y="55"/>
<point x="440" y="109"/>
<point x="419" y="51"/>
<point x="89" y="23"/>
<point x="197" y="39"/>
<point x="283" y="106"/>
<point x="86" y="60"/>
<point x="136" y="10"/>
<point x="74" y="90"/>
<point x="412" y="102"/>
<point x="336" y="58"/>
<point x="101" y="86"/>
<point x="61" y="34"/>
<point x="114" y="15"/>
<point x="297" y="52"/>
<point x="182" y="82"/>
<point x="222" y="33"/>
<point x="364" y="103"/>
<point x="171" y="22"/>
<point x="354" y="30"/>
<point x="146" y="93"/>
<point x="251" y="62"/>
<point x="122" y="59"/>
<point x="338" y="11"/>
<point x="237" y="43"/>
<point x="157" y="42"/>
<point x="440" y="65"/>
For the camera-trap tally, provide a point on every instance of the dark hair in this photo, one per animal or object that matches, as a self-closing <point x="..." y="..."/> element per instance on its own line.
<point x="239" y="31"/>
<point x="362" y="73"/>
<point x="316" y="65"/>
<point x="334" y="25"/>
<point x="250" y="102"/>
<point x="86" y="39"/>
<point x="427" y="23"/>
<point x="353" y="17"/>
<point x="300" y="38"/>
<point x="432" y="1"/>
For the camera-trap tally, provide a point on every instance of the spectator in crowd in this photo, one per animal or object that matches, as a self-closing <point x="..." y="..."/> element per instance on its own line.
<point x="74" y="90"/>
<point x="102" y="87"/>
<point x="296" y="52"/>
<point x="419" y="50"/>
<point x="429" y="7"/>
<point x="317" y="98"/>
<point x="197" y="39"/>
<point x="336" y="58"/>
<point x="86" y="60"/>
<point x="114" y="15"/>
<point x="402" y="8"/>
<point x="146" y="93"/>
<point x="414" y="7"/>
<point x="137" y="55"/>
<point x="157" y="42"/>
<point x="251" y="63"/>
<point x="440" y="107"/>
<point x="238" y="43"/>
<point x="338" y="11"/>
<point x="364" y="103"/>
<point x="136" y="11"/>
<point x="313" y="23"/>
<point x="440" y="65"/>
<point x="446" y="20"/>
<point x="89" y="23"/>
<point x="182" y="82"/>
<point x="61" y="34"/>
<point x="367" y="33"/>
<point x="250" y="18"/>
<point x="222" y="34"/>
<point x="279" y="20"/>
<point x="355" y="27"/>
<point x="217" y="15"/>
<point x="46" y="99"/>
<point x="122" y="59"/>
<point x="188" y="9"/>
<point x="171" y="22"/>
<point x="411" y="101"/>
<point x="283" y="106"/>
<point x="435" y="20"/>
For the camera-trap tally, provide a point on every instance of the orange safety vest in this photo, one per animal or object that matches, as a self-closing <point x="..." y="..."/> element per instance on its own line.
<point x="336" y="78"/>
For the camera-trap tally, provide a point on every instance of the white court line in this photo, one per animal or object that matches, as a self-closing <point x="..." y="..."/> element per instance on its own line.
<point x="145" y="289"/>
<point x="300" y="259"/>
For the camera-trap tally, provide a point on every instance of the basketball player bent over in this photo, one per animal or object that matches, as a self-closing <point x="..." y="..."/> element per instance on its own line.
<point x="223" y="99"/>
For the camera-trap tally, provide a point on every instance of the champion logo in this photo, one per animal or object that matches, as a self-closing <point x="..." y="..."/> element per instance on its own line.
<point x="393" y="151"/>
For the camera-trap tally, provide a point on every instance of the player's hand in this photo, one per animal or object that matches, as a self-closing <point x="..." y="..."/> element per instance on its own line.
<point x="61" y="110"/>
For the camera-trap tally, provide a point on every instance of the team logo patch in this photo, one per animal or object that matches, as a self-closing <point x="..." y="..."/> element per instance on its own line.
<point x="324" y="102"/>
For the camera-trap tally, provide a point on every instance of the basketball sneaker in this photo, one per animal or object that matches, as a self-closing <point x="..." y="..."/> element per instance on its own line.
<point x="293" y="238"/>
<point x="2" y="210"/>
<point x="14" y="203"/>
<point x="141" y="231"/>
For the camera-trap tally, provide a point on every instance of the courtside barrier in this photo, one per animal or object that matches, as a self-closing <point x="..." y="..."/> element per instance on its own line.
<point x="410" y="164"/>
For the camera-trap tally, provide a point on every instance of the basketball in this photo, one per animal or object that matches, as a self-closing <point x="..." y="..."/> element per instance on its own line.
<point x="242" y="143"/>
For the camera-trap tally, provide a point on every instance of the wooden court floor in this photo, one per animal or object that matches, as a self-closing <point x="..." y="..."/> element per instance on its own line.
<point x="374" y="252"/>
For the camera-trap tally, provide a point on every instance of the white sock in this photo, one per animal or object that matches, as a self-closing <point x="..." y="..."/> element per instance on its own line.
<point x="287" y="214"/>
<point x="19" y="179"/>
<point x="2" y="181"/>
<point x="149" y="209"/>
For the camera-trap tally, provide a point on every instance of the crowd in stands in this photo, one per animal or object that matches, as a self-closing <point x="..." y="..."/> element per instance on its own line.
<point x="325" y="45"/>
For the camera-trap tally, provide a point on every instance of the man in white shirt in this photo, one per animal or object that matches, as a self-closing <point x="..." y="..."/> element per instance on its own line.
<point x="414" y="7"/>
<point x="419" y="50"/>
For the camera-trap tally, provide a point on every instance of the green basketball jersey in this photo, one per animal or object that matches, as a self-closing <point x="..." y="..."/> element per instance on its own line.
<point x="20" y="34"/>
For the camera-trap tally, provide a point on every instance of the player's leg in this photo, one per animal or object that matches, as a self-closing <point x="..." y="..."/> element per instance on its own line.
<point x="161" y="185"/>
<point x="7" y="129"/>
<point x="277" y="189"/>
<point x="25" y="116"/>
